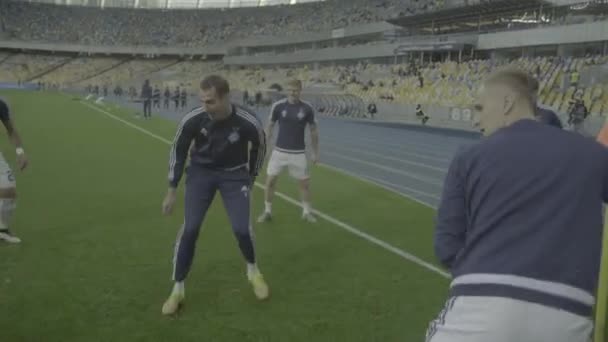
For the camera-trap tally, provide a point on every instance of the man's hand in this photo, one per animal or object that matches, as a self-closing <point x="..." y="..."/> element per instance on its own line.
<point x="22" y="161"/>
<point x="169" y="201"/>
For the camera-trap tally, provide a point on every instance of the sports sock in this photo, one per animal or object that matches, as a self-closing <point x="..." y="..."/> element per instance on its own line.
<point x="267" y="207"/>
<point x="7" y="206"/>
<point x="251" y="268"/>
<point x="306" y="208"/>
<point x="178" y="287"/>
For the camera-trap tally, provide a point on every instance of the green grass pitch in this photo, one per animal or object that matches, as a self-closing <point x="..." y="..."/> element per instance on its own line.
<point x="96" y="260"/>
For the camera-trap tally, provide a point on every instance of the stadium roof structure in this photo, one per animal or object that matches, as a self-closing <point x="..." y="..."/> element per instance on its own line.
<point x="469" y="14"/>
<point x="172" y="4"/>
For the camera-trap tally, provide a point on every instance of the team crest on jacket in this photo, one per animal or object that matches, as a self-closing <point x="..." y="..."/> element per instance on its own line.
<point x="204" y="131"/>
<point x="234" y="136"/>
<point x="301" y="115"/>
<point x="284" y="113"/>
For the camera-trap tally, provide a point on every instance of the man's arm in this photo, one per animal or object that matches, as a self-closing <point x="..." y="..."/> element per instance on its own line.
<point x="273" y="117"/>
<point x="451" y="225"/>
<point x="314" y="139"/>
<point x="257" y="152"/>
<point x="314" y="133"/>
<point x="13" y="135"/>
<point x="186" y="131"/>
<point x="269" y="132"/>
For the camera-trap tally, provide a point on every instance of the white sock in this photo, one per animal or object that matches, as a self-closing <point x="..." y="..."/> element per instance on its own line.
<point x="7" y="206"/>
<point x="178" y="287"/>
<point x="251" y="268"/>
<point x="268" y="207"/>
<point x="306" y="208"/>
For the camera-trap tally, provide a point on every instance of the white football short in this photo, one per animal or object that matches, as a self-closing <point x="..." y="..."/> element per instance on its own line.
<point x="495" y="319"/>
<point x="296" y="163"/>
<point x="7" y="178"/>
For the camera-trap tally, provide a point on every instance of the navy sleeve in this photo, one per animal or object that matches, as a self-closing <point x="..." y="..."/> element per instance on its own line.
<point x="451" y="216"/>
<point x="4" y="112"/>
<point x="186" y="131"/>
<point x="257" y="153"/>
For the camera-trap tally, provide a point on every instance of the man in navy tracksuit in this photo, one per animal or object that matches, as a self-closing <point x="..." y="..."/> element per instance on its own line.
<point x="520" y="226"/>
<point x="220" y="160"/>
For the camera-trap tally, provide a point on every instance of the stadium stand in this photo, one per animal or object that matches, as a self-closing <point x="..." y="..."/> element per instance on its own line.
<point x="439" y="80"/>
<point x="27" y="67"/>
<point x="120" y="26"/>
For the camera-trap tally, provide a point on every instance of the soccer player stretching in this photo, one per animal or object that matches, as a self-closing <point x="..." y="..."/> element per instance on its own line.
<point x="293" y="115"/>
<point x="8" y="192"/>
<point x="220" y="160"/>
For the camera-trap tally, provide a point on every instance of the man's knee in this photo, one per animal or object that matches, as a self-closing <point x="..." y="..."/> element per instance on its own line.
<point x="189" y="234"/>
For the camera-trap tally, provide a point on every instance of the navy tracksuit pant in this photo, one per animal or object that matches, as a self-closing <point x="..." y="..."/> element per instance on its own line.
<point x="201" y="186"/>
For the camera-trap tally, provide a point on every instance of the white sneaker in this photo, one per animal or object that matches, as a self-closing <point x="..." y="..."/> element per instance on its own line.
<point x="260" y="288"/>
<point x="265" y="217"/>
<point x="173" y="303"/>
<point x="8" y="237"/>
<point x="308" y="217"/>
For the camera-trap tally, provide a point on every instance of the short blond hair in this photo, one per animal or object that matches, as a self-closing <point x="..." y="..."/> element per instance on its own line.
<point x="519" y="81"/>
<point x="295" y="83"/>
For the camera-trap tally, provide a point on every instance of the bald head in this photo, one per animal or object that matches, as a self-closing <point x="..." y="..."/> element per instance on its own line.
<point x="506" y="96"/>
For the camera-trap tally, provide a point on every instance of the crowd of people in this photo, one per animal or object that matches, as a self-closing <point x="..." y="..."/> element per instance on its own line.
<point x="20" y="20"/>
<point x="447" y="83"/>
